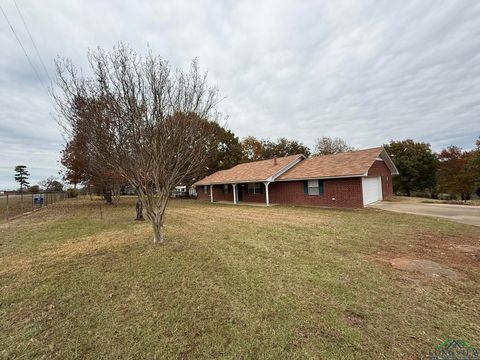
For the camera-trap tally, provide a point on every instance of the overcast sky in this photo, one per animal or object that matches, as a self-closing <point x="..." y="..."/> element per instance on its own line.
<point x="366" y="71"/>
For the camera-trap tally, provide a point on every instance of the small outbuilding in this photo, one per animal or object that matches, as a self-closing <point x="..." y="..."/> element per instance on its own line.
<point x="349" y="180"/>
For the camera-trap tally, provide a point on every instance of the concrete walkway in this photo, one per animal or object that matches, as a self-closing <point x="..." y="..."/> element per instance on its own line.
<point x="464" y="214"/>
<point x="243" y="203"/>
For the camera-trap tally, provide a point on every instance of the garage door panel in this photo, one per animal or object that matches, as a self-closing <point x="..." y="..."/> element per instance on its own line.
<point x="371" y="189"/>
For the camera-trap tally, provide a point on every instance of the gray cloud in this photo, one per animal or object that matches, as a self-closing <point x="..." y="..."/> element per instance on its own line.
<point x="367" y="71"/>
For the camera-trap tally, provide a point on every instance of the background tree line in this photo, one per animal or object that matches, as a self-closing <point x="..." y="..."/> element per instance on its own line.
<point x="226" y="150"/>
<point x="452" y="172"/>
<point x="51" y="184"/>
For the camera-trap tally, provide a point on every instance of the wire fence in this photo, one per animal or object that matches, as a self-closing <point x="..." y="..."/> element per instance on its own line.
<point x="14" y="205"/>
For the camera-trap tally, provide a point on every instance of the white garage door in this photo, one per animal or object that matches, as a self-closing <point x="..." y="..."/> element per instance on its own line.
<point x="372" y="189"/>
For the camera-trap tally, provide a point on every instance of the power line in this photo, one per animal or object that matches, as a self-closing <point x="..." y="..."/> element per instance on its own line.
<point x="24" y="51"/>
<point x="31" y="39"/>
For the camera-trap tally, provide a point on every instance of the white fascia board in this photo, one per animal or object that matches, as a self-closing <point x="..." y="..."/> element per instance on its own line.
<point x="235" y="182"/>
<point x="326" y="177"/>
<point x="285" y="169"/>
<point x="389" y="162"/>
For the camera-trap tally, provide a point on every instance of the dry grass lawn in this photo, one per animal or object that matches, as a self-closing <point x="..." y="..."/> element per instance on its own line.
<point x="233" y="282"/>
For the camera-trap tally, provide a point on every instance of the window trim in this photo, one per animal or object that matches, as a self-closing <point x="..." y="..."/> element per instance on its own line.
<point x="205" y="189"/>
<point x="255" y="187"/>
<point x="320" y="186"/>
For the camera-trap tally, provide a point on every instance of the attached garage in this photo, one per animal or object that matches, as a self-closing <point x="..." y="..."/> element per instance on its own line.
<point x="371" y="189"/>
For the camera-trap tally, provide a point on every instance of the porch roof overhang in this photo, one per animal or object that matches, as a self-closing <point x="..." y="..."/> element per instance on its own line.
<point x="258" y="171"/>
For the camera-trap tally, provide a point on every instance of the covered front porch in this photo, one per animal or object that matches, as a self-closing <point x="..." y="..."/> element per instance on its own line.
<point x="238" y="193"/>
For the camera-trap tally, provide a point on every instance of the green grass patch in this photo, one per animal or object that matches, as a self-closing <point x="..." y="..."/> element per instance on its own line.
<point x="81" y="280"/>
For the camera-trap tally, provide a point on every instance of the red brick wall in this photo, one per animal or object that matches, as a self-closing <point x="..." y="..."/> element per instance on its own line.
<point x="379" y="168"/>
<point x="201" y="195"/>
<point x="252" y="198"/>
<point x="347" y="193"/>
<point x="218" y="194"/>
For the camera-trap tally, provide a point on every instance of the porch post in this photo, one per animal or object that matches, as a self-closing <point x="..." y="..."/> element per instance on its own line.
<point x="234" y="193"/>
<point x="211" y="193"/>
<point x="267" y="198"/>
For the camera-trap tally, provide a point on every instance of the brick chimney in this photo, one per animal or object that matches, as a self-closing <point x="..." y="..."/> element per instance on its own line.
<point x="274" y="159"/>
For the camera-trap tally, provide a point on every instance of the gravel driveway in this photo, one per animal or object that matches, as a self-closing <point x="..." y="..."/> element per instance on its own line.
<point x="464" y="214"/>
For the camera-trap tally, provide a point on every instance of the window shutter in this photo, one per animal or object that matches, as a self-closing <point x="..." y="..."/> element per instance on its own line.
<point x="320" y="187"/>
<point x="305" y="187"/>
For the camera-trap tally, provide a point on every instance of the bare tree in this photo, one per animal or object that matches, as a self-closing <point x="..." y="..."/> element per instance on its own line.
<point x="327" y="145"/>
<point x="51" y="184"/>
<point x="141" y="120"/>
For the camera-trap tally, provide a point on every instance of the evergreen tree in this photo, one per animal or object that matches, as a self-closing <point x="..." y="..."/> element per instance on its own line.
<point x="21" y="176"/>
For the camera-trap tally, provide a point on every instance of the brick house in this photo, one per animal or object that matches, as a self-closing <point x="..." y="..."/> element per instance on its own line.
<point x="349" y="180"/>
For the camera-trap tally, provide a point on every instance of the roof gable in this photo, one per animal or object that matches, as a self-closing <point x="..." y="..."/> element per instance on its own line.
<point x="348" y="164"/>
<point x="257" y="171"/>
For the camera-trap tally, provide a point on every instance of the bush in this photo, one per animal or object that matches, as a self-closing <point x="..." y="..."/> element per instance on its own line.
<point x="34" y="189"/>
<point x="72" y="193"/>
<point x="447" y="196"/>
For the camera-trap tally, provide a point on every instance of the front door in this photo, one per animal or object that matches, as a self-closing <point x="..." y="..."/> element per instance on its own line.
<point x="239" y="192"/>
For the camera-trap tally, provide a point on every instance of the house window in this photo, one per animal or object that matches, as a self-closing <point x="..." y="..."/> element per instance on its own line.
<point x="313" y="187"/>
<point x="225" y="189"/>
<point x="254" y="188"/>
<point x="205" y="189"/>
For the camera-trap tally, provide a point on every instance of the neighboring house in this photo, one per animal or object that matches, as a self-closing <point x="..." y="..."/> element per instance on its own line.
<point x="351" y="180"/>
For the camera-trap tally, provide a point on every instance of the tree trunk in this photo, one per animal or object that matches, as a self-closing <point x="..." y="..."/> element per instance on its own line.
<point x="107" y="195"/>
<point x="139" y="210"/>
<point x="408" y="191"/>
<point x="158" y="229"/>
<point x="116" y="193"/>
<point x="154" y="207"/>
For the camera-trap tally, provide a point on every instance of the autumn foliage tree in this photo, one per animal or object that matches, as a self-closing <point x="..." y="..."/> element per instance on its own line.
<point x="252" y="149"/>
<point x="141" y="120"/>
<point x="80" y="164"/>
<point x="476" y="163"/>
<point x="327" y="146"/>
<point x="75" y="161"/>
<point x="458" y="172"/>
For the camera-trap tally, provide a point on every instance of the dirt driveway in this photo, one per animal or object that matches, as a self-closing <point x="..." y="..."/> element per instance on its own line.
<point x="464" y="214"/>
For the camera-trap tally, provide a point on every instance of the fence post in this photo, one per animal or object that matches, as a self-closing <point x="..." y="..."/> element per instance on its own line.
<point x="7" y="209"/>
<point x="32" y="204"/>
<point x="21" y="202"/>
